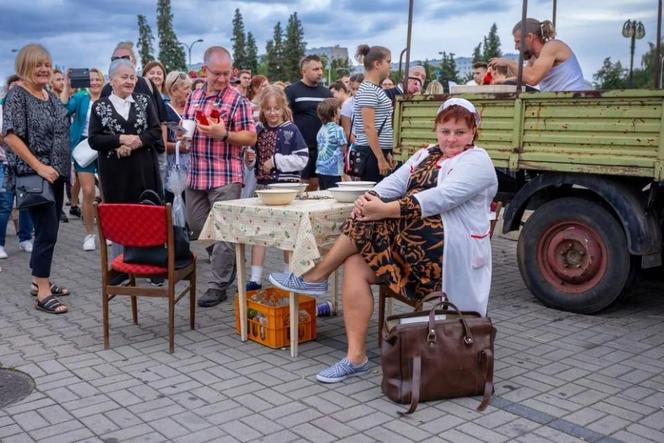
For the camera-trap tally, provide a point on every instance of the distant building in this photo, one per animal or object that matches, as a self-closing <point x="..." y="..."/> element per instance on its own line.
<point x="330" y="52"/>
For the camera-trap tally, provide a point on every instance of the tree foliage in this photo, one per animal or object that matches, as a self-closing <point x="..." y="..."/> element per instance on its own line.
<point x="145" y="41"/>
<point x="171" y="53"/>
<point x="252" y="53"/>
<point x="448" y="69"/>
<point x="239" y="42"/>
<point x="610" y="75"/>
<point x="293" y="48"/>
<point x="489" y="47"/>
<point x="275" y="55"/>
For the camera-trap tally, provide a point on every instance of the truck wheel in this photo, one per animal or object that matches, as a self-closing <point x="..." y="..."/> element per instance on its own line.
<point x="572" y="255"/>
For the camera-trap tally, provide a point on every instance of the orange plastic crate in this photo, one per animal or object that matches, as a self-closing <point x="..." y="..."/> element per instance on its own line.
<point x="274" y="330"/>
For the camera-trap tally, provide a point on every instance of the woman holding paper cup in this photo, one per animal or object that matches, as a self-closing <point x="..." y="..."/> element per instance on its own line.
<point x="79" y="106"/>
<point x="125" y="129"/>
<point x="178" y="88"/>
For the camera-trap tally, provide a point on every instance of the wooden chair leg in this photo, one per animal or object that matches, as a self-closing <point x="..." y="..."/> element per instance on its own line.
<point x="381" y="313"/>
<point x="104" y="304"/>
<point x="134" y="301"/>
<point x="192" y="299"/>
<point x="134" y="310"/>
<point x="171" y="316"/>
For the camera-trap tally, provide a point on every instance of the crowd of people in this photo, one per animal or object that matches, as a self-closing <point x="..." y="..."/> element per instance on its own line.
<point x="434" y="206"/>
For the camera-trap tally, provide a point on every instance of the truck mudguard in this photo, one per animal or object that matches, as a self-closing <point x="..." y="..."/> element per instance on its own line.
<point x="643" y="233"/>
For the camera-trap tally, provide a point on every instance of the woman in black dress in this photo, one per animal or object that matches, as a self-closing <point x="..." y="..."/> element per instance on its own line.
<point x="36" y="129"/>
<point x="124" y="128"/>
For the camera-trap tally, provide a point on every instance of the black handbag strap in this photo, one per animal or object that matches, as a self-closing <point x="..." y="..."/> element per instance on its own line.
<point x="381" y="127"/>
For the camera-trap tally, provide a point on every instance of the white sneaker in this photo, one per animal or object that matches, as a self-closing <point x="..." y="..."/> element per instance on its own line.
<point x="89" y="243"/>
<point x="3" y="253"/>
<point x="25" y="245"/>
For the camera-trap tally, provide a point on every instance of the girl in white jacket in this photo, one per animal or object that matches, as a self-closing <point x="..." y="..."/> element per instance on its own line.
<point x="422" y="229"/>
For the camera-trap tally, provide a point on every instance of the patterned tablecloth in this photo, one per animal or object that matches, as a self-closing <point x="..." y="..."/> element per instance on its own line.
<point x="305" y="227"/>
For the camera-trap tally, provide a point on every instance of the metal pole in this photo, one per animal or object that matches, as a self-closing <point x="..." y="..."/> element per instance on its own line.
<point x="553" y="15"/>
<point x="519" y="77"/>
<point x="632" y="47"/>
<point x="401" y="61"/>
<point x="190" y="56"/>
<point x="404" y="82"/>
<point x="658" y="53"/>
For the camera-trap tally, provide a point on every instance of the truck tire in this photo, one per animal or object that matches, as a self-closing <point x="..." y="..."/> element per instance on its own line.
<point x="572" y="255"/>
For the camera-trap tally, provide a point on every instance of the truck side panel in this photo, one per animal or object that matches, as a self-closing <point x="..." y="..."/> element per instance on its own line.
<point x="612" y="133"/>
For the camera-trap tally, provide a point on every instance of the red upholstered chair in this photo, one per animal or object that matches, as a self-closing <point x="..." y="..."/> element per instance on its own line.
<point x="384" y="292"/>
<point x="142" y="226"/>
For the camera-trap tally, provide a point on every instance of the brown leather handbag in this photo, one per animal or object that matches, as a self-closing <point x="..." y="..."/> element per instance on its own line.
<point x="443" y="353"/>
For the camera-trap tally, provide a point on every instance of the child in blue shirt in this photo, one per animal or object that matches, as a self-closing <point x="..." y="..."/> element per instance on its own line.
<point x="331" y="142"/>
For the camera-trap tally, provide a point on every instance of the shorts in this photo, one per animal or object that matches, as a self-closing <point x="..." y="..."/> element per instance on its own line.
<point x="91" y="168"/>
<point x="309" y="171"/>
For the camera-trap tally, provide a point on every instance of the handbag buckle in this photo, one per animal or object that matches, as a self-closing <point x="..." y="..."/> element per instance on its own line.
<point x="468" y="340"/>
<point x="431" y="336"/>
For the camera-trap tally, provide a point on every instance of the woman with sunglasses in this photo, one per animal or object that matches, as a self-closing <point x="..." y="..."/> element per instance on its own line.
<point x="178" y="88"/>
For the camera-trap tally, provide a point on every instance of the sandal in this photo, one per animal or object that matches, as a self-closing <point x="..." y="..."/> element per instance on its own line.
<point x="55" y="290"/>
<point x="51" y="305"/>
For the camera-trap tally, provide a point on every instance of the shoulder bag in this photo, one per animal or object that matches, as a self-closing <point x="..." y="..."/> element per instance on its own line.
<point x="442" y="353"/>
<point x="32" y="189"/>
<point x="358" y="156"/>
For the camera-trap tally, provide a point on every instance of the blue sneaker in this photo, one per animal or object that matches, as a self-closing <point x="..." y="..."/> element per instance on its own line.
<point x="341" y="370"/>
<point x="292" y="283"/>
<point x="253" y="286"/>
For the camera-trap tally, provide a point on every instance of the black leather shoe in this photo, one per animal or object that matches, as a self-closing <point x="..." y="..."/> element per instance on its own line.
<point x="212" y="297"/>
<point x="75" y="211"/>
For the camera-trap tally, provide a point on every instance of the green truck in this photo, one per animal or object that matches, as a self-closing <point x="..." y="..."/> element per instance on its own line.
<point x="591" y="167"/>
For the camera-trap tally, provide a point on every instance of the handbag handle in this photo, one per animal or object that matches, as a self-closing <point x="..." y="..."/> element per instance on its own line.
<point x="150" y="197"/>
<point x="431" y="336"/>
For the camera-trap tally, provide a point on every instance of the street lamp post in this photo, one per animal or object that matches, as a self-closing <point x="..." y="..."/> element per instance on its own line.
<point x="189" y="48"/>
<point x="633" y="30"/>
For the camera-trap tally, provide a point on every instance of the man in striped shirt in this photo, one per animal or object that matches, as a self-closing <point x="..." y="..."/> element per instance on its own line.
<point x="303" y="99"/>
<point x="215" y="172"/>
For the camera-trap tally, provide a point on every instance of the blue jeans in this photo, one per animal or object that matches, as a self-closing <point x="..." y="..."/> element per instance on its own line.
<point x="25" y="227"/>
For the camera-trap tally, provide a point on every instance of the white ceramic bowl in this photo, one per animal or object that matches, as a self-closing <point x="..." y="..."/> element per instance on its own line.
<point x="351" y="184"/>
<point x="273" y="197"/>
<point x="300" y="187"/>
<point x="348" y="194"/>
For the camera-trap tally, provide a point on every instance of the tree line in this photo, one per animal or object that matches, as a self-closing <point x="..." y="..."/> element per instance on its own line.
<point x="612" y="75"/>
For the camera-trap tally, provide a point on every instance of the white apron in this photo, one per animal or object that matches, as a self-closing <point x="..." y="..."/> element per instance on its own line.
<point x="467" y="184"/>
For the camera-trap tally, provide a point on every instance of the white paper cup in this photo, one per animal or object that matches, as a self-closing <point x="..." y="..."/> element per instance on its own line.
<point x="189" y="126"/>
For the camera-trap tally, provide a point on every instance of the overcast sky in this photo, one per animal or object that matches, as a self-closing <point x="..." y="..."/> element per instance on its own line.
<point x="83" y="33"/>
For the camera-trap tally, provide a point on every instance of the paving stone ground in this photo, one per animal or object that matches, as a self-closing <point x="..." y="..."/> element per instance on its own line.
<point x="560" y="377"/>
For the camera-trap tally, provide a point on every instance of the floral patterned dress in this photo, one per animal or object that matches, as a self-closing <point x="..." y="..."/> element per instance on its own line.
<point x="124" y="179"/>
<point x="406" y="253"/>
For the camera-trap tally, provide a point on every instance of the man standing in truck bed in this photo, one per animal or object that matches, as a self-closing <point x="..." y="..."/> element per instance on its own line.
<point x="551" y="63"/>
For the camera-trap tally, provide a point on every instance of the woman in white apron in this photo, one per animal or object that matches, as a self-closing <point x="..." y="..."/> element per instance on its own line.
<point x="422" y="229"/>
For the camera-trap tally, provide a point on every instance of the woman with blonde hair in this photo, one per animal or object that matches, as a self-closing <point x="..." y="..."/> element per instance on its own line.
<point x="36" y="129"/>
<point x="178" y="87"/>
<point x="434" y="88"/>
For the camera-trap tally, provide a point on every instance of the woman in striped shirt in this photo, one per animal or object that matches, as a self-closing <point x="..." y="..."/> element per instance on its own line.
<point x="373" y="114"/>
